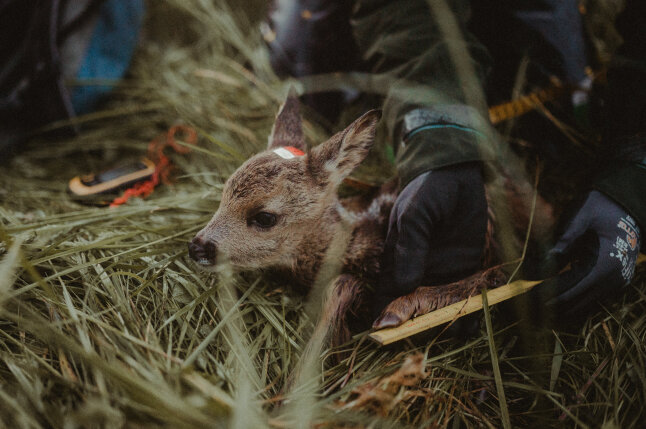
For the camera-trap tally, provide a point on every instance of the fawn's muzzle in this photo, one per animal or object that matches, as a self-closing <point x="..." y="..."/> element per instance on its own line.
<point x="202" y="251"/>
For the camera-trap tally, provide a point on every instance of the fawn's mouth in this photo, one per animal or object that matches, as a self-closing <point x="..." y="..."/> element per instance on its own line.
<point x="205" y="264"/>
<point x="203" y="252"/>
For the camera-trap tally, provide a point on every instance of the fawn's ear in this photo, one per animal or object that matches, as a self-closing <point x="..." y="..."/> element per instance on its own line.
<point x="288" y="128"/>
<point x="336" y="158"/>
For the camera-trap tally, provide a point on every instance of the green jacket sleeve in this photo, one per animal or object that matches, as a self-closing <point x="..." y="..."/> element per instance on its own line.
<point x="435" y="109"/>
<point x="625" y="120"/>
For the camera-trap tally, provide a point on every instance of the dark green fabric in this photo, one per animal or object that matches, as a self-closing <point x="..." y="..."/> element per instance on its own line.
<point x="436" y="148"/>
<point x="624" y="111"/>
<point x="626" y="185"/>
<point x="624" y="118"/>
<point x="403" y="41"/>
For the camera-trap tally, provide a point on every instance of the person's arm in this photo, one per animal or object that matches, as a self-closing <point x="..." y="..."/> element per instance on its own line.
<point x="436" y="119"/>
<point x="435" y="110"/>
<point x="601" y="242"/>
<point x="624" y="114"/>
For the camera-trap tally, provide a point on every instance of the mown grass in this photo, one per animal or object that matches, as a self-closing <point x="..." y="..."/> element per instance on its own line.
<point x="105" y="322"/>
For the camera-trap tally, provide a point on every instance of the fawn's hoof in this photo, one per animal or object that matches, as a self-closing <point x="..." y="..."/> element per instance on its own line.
<point x="387" y="320"/>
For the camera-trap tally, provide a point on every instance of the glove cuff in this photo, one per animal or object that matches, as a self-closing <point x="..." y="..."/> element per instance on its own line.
<point x="626" y="185"/>
<point x="447" y="134"/>
<point x="437" y="146"/>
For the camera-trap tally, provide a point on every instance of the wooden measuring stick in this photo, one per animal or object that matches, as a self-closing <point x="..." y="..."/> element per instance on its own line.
<point x="455" y="311"/>
<point x="450" y="312"/>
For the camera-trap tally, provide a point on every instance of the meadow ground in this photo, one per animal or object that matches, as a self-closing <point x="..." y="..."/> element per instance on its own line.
<point x="104" y="321"/>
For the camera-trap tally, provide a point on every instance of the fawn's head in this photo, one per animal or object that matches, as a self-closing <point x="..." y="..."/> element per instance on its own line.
<point x="284" y="197"/>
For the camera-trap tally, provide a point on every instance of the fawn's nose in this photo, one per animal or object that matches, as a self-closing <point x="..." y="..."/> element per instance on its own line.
<point x="202" y="251"/>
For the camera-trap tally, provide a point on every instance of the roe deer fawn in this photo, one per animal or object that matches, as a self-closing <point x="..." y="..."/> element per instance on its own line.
<point x="280" y="209"/>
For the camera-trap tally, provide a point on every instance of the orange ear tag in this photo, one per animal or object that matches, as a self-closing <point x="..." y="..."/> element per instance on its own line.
<point x="288" y="152"/>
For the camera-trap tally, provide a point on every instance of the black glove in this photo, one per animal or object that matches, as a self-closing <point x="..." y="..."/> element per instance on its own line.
<point x="601" y="242"/>
<point x="307" y="37"/>
<point x="436" y="232"/>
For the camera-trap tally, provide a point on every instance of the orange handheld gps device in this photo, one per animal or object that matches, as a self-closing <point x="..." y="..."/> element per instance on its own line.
<point x="101" y="188"/>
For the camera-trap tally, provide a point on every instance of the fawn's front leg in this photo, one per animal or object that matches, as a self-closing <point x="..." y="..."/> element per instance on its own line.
<point x="425" y="299"/>
<point x="340" y="310"/>
<point x="342" y="300"/>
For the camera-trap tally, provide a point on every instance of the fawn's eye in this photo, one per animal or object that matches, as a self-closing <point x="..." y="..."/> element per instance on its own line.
<point x="263" y="220"/>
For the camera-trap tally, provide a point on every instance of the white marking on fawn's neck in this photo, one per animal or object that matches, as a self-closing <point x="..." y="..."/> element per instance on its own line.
<point x="345" y="214"/>
<point x="374" y="210"/>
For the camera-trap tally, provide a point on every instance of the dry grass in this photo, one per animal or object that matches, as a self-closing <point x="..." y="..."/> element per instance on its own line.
<point x="105" y="322"/>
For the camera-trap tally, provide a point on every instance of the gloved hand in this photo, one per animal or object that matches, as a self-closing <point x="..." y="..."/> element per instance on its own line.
<point x="436" y="233"/>
<point x="601" y="242"/>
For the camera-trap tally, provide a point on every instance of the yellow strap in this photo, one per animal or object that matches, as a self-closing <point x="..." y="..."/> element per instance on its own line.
<point x="526" y="103"/>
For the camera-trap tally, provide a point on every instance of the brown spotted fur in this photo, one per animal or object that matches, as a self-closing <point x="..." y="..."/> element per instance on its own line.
<point x="302" y="192"/>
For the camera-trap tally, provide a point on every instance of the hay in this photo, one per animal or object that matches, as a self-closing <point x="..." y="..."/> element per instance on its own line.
<point x="106" y="323"/>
